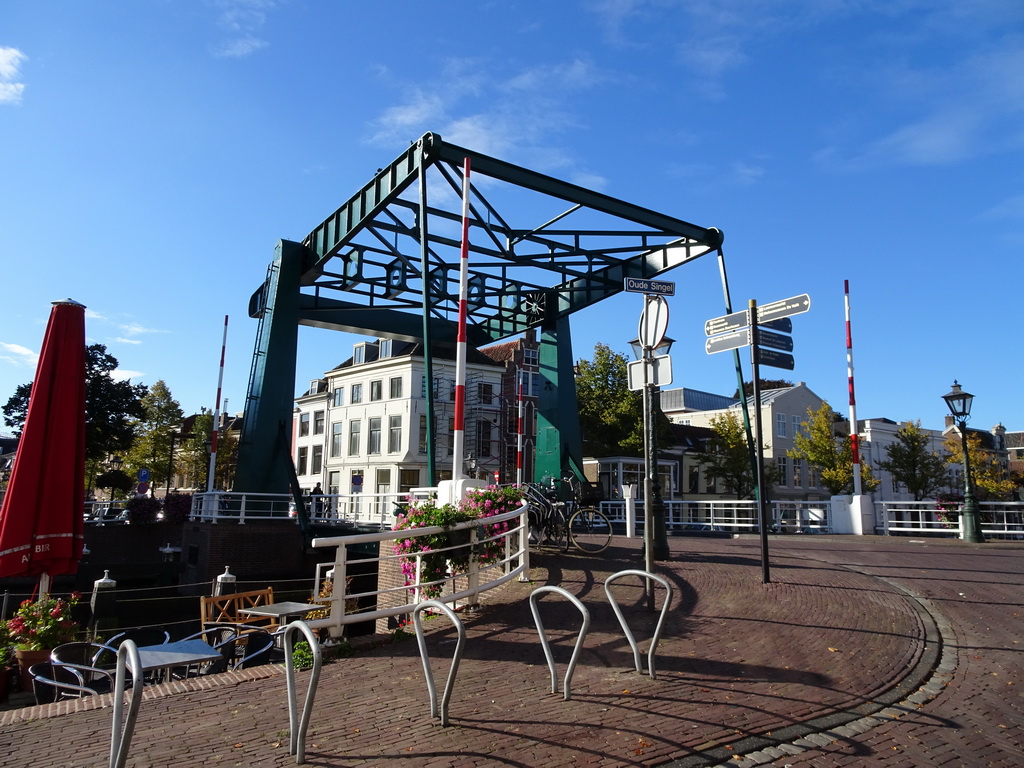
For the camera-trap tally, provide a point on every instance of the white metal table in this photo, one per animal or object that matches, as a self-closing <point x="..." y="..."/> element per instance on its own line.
<point x="183" y="653"/>
<point x="284" y="610"/>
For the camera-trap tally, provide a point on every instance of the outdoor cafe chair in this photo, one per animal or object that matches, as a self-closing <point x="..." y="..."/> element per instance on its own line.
<point x="86" y="660"/>
<point x="258" y="646"/>
<point x="142" y="636"/>
<point x="54" y="682"/>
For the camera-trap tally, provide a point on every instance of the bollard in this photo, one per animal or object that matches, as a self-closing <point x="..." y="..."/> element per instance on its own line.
<point x="224" y="584"/>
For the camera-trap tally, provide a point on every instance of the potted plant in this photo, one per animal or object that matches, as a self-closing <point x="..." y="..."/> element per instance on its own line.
<point x="6" y="662"/>
<point x="436" y="561"/>
<point x="177" y="507"/>
<point x="487" y="502"/>
<point x="37" y="628"/>
<point x="142" y="510"/>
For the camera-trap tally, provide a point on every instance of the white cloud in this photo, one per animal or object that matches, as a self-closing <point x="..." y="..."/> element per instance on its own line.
<point x="10" y="71"/>
<point x="242" y="19"/>
<point x="134" y="329"/>
<point x="15" y="354"/>
<point x="122" y="340"/>
<point x="1009" y="209"/>
<point x="120" y="374"/>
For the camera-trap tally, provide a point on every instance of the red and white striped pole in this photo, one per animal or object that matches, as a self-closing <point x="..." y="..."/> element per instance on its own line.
<point x="519" y="430"/>
<point x="458" y="438"/>
<point x="854" y="438"/>
<point x="211" y="473"/>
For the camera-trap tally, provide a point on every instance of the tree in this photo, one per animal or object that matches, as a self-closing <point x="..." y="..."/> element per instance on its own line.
<point x="766" y="384"/>
<point x="922" y="472"/>
<point x="991" y="479"/>
<point x="162" y="418"/>
<point x="192" y="460"/>
<point x="111" y="407"/>
<point x="611" y="415"/>
<point x="819" y="444"/>
<point x="727" y="457"/>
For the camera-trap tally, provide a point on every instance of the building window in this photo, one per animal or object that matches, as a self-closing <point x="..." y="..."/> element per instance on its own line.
<point x="485" y="391"/>
<point x="339" y="396"/>
<point x="531" y="384"/>
<point x="694" y="478"/>
<point x="385" y="349"/>
<point x="485" y="437"/>
<point x="301" y="468"/>
<point x="359" y="354"/>
<point x="375" y="391"/>
<point x="796" y="425"/>
<point x="336" y="439"/>
<point x="394" y="434"/>
<point x="314" y="386"/>
<point x="334" y="483"/>
<point x="783" y="465"/>
<point x="318" y="460"/>
<point x="354" y="428"/>
<point x="357" y="393"/>
<point x="531" y="357"/>
<point x="318" y="422"/>
<point x="373" y="443"/>
<point x="780" y="425"/>
<point x="357" y="480"/>
<point x="423" y="433"/>
<point x="408" y="479"/>
<point x="798" y="473"/>
<point x="395" y="386"/>
<point x="451" y="436"/>
<point x="303" y="424"/>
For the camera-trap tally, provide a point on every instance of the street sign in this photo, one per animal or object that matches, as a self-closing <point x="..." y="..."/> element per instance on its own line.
<point x="782" y="325"/>
<point x="775" y="359"/>
<point x="717" y="325"/>
<point x="791" y="306"/>
<point x="774" y="340"/>
<point x="660" y="372"/>
<point x="143" y="475"/>
<point x="653" y="321"/>
<point x="640" y="285"/>
<point x="142" y="488"/>
<point x="734" y="340"/>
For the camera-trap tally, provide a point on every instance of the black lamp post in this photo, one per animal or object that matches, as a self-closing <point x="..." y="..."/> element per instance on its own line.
<point x="118" y="462"/>
<point x="655" y="534"/>
<point x="959" y="403"/>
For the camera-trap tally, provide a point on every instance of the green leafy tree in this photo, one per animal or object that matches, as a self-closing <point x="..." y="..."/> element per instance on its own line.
<point x="821" y="445"/>
<point x="727" y="458"/>
<point x="162" y="418"/>
<point x="112" y="408"/>
<point x="992" y="480"/>
<point x="192" y="460"/>
<point x="922" y="472"/>
<point x="611" y="415"/>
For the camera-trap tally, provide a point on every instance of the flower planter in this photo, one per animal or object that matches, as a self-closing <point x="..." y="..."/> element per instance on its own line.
<point x="26" y="659"/>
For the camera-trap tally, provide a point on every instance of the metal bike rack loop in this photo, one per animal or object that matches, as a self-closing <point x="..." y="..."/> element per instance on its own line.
<point x="622" y="619"/>
<point x="121" y="732"/>
<point x="544" y="640"/>
<point x="417" y="621"/>
<point x="298" y="726"/>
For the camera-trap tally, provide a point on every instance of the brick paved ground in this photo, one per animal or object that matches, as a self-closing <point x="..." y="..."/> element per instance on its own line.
<point x="813" y="669"/>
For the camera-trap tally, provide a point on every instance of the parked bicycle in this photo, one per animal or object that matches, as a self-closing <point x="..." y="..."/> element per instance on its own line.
<point x="559" y="523"/>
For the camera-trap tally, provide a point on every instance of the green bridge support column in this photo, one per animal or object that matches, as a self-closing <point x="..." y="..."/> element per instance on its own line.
<point x="264" y="449"/>
<point x="559" y="445"/>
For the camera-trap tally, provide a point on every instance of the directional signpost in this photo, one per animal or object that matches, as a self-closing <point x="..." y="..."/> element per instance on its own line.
<point x="767" y="347"/>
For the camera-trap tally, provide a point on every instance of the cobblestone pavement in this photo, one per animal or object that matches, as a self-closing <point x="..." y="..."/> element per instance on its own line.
<point x="861" y="651"/>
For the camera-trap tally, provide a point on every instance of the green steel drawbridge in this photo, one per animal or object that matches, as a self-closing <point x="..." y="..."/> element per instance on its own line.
<point x="386" y="264"/>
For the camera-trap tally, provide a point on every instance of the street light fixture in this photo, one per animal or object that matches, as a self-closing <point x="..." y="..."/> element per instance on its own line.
<point x="959" y="403"/>
<point x="118" y="462"/>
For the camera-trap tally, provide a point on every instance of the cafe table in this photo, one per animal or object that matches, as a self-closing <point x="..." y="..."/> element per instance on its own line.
<point x="183" y="653"/>
<point x="282" y="611"/>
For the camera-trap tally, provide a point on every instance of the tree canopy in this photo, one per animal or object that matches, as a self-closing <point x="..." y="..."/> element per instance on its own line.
<point x="727" y="456"/>
<point x="922" y="472"/>
<point x="820" y="446"/>
<point x="992" y="480"/>
<point x="162" y="417"/>
<point x="112" y="407"/>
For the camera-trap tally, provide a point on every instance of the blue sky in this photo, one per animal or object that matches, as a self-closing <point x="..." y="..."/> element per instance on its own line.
<point x="151" y="154"/>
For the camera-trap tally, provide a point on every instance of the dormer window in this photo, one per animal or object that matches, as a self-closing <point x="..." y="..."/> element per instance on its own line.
<point x="385" y="348"/>
<point x="314" y="386"/>
<point x="359" y="354"/>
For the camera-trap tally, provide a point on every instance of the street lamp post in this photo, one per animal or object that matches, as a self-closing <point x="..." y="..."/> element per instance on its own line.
<point x="959" y="403"/>
<point x="118" y="462"/>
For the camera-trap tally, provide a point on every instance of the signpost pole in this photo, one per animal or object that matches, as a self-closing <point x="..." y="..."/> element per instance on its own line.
<point x="762" y="496"/>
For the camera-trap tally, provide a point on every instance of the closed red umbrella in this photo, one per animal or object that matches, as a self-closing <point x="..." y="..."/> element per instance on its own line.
<point x="41" y="521"/>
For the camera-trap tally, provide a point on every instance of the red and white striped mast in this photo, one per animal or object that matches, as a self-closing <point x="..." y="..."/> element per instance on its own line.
<point x="459" y="436"/>
<point x="211" y="473"/>
<point x="519" y="429"/>
<point x="854" y="437"/>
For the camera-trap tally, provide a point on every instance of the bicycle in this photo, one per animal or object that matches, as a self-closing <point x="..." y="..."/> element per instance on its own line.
<point x="567" y="522"/>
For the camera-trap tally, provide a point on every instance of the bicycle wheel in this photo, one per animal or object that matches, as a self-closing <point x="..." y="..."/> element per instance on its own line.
<point x="590" y="530"/>
<point x="557" y="532"/>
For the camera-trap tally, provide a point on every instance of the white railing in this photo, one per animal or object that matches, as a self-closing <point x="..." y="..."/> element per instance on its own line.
<point x="998" y="519"/>
<point x="369" y="509"/>
<point x="729" y="516"/>
<point x="398" y="600"/>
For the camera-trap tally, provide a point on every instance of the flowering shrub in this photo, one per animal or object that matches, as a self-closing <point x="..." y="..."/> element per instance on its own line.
<point x="45" y="623"/>
<point x="142" y="510"/>
<point x="487" y="502"/>
<point x="177" y="507"/>
<point x="437" y="557"/>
